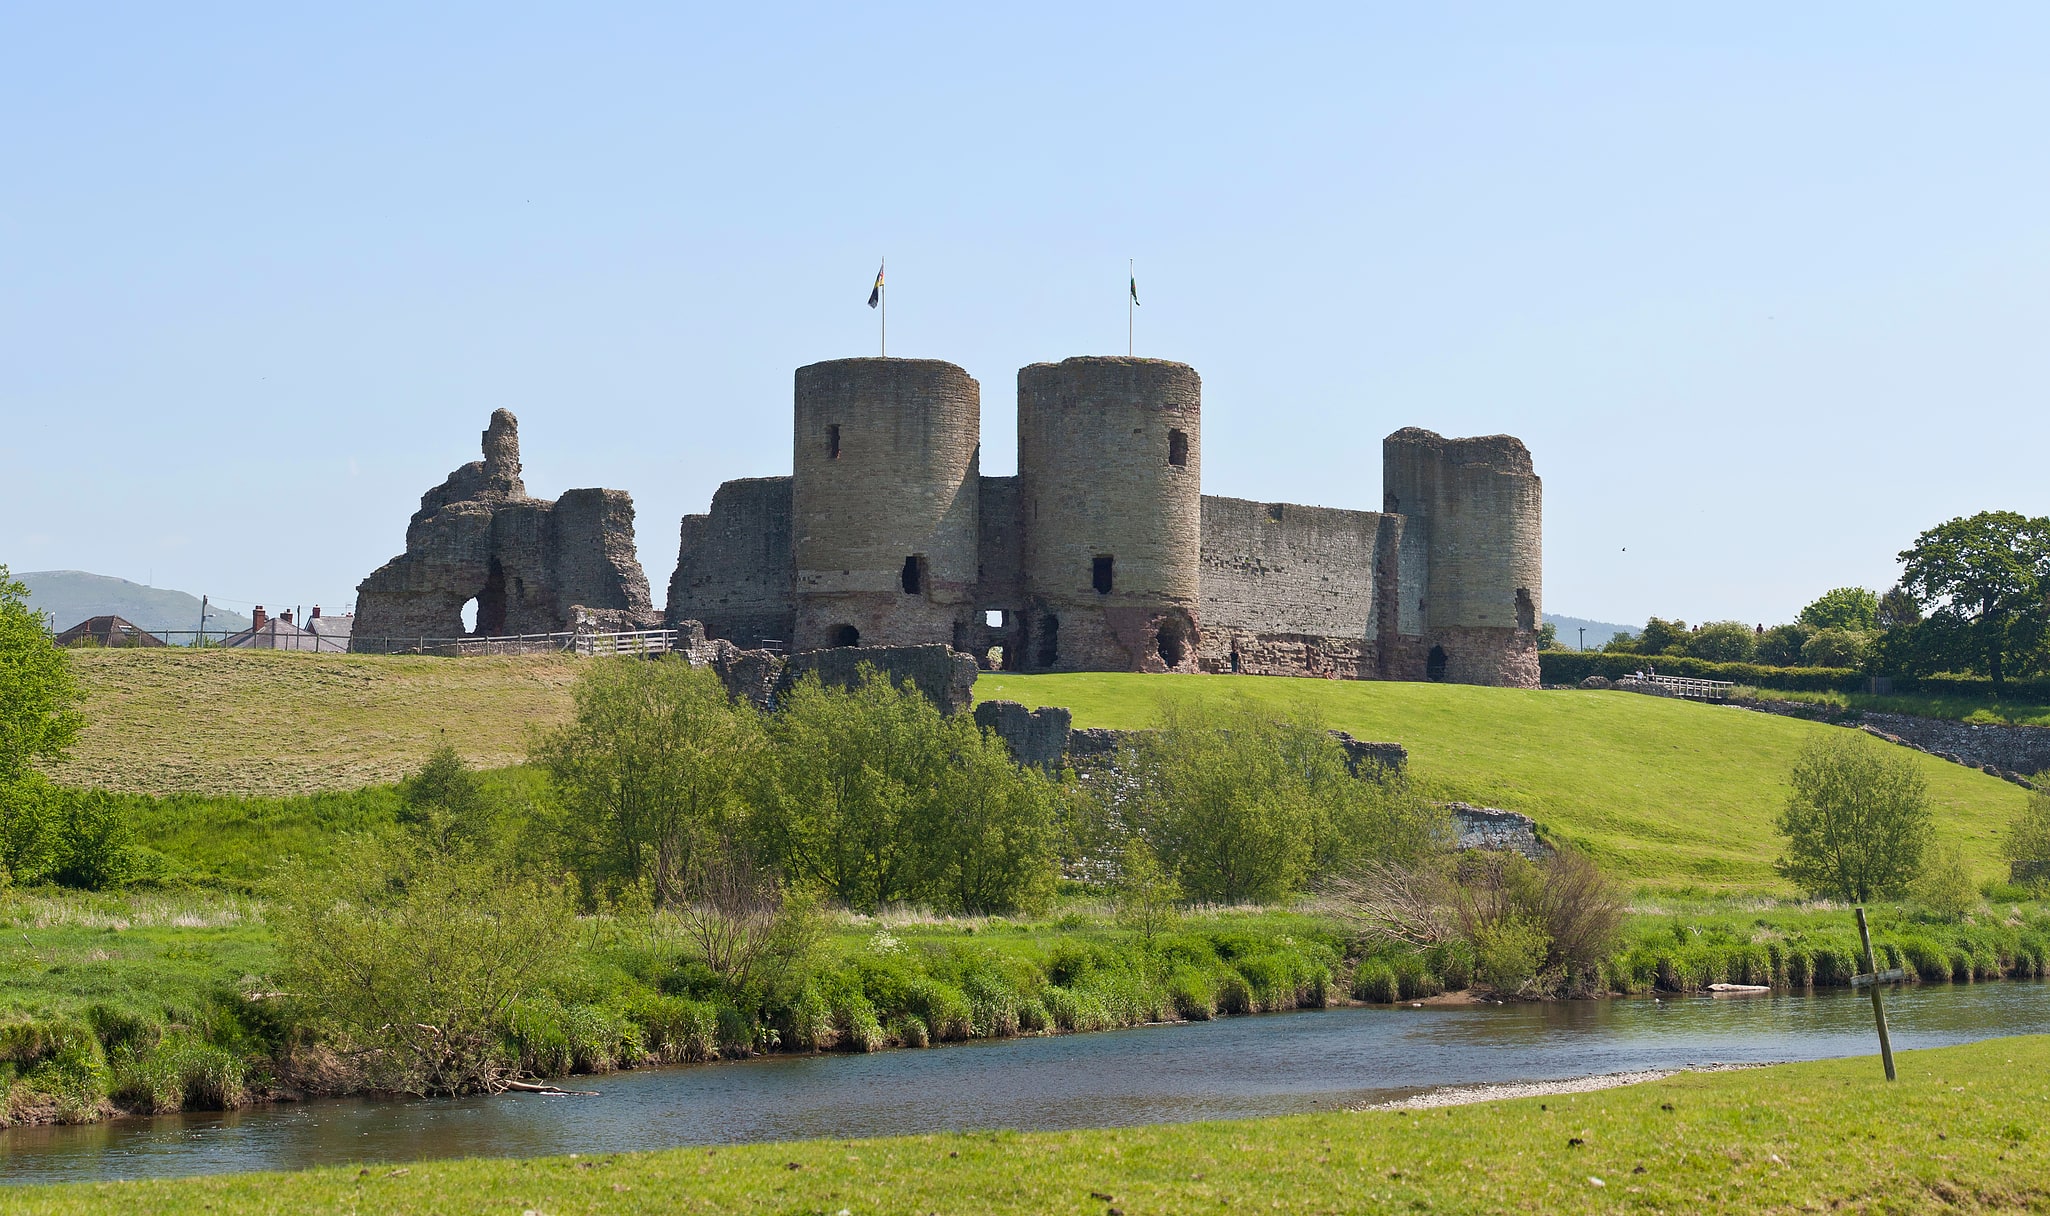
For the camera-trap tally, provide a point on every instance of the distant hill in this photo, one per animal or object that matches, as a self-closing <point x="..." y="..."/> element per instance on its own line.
<point x="70" y="596"/>
<point x="1598" y="632"/>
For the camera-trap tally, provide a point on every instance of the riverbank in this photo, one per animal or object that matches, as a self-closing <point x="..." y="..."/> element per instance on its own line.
<point x="149" y="1002"/>
<point x="1961" y="1130"/>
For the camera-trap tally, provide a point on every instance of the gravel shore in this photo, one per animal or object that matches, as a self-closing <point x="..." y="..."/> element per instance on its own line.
<point x="1461" y="1095"/>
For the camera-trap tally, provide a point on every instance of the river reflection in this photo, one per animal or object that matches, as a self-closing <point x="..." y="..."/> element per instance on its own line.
<point x="1229" y="1068"/>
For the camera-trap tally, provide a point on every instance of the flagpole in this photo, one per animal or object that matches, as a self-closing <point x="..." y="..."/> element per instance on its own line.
<point x="1130" y="301"/>
<point x="885" y="301"/>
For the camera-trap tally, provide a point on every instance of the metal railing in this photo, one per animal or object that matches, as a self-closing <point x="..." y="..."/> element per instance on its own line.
<point x="1694" y="690"/>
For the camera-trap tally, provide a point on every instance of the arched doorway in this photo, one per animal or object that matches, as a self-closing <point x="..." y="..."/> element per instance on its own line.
<point x="1434" y="664"/>
<point x="843" y="635"/>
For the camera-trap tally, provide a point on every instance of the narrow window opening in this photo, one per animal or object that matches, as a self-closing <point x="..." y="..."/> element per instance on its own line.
<point x="844" y="635"/>
<point x="1434" y="664"/>
<point x="1275" y="511"/>
<point x="833" y="441"/>
<point x="1178" y="448"/>
<point x="914" y="574"/>
<point x="470" y="618"/>
<point x="1100" y="573"/>
<point x="1237" y="664"/>
<point x="1526" y="612"/>
<point x="994" y="618"/>
<point x="1049" y="640"/>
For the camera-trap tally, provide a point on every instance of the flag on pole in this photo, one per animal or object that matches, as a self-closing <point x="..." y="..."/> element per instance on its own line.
<point x="875" y="294"/>
<point x="1135" y="291"/>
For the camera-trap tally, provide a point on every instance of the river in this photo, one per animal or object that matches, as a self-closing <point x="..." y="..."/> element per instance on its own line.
<point x="1229" y="1068"/>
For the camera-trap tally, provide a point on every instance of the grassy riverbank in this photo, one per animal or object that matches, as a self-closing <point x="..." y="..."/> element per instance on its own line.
<point x="1961" y="1131"/>
<point x="1977" y="710"/>
<point x="1668" y="795"/>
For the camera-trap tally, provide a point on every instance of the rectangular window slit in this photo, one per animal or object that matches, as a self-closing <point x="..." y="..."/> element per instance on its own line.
<point x="1100" y="573"/>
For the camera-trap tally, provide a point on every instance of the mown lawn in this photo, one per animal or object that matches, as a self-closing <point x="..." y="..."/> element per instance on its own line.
<point x="260" y="722"/>
<point x="1962" y="1130"/>
<point x="1669" y="795"/>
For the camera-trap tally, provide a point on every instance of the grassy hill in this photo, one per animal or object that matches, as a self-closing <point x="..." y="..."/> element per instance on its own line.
<point x="260" y="722"/>
<point x="1671" y="795"/>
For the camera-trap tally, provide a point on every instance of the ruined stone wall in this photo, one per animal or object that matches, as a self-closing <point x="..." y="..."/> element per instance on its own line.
<point x="1109" y="466"/>
<point x="733" y="565"/>
<point x="532" y="565"/>
<point x="1289" y="590"/>
<point x="885" y="483"/>
<point x="1478" y="506"/>
<point x="1001" y="586"/>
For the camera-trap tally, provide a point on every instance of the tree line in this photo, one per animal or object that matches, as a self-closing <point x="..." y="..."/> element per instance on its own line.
<point x="1973" y="598"/>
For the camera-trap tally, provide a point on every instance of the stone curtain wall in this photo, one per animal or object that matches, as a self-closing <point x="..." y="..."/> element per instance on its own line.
<point x="1289" y="590"/>
<point x="885" y="456"/>
<point x="1098" y="440"/>
<point x="532" y="565"/>
<point x="1477" y="504"/>
<point x="733" y="565"/>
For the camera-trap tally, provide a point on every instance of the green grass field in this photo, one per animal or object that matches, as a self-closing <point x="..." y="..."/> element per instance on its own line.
<point x="260" y="722"/>
<point x="1925" y="705"/>
<point x="1670" y="795"/>
<point x="1962" y="1130"/>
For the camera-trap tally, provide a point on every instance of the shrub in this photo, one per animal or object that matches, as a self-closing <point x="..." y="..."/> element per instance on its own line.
<point x="1509" y="953"/>
<point x="2026" y="843"/>
<point x="1945" y="884"/>
<point x="1375" y="981"/>
<point x="1192" y="994"/>
<point x="1836" y="648"/>
<point x="1780" y="646"/>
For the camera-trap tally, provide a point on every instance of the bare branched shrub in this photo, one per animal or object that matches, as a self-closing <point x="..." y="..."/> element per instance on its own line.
<point x="1404" y="905"/>
<point x="1555" y="920"/>
<point x="732" y="912"/>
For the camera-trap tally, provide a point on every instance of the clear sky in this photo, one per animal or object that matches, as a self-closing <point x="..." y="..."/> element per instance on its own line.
<point x="1766" y="290"/>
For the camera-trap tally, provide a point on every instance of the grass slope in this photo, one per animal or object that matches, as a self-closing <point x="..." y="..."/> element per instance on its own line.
<point x="1669" y="794"/>
<point x="1961" y="1131"/>
<point x="257" y="722"/>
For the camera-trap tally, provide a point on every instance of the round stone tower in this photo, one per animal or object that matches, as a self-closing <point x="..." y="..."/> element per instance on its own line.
<point x="1109" y="474"/>
<point x="1475" y="508"/>
<point x="884" y="489"/>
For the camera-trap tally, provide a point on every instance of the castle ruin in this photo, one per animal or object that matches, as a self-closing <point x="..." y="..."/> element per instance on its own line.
<point x="1102" y="553"/>
<point x="531" y="565"/>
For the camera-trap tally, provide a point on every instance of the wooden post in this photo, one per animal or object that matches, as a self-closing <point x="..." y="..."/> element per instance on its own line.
<point x="1878" y="1009"/>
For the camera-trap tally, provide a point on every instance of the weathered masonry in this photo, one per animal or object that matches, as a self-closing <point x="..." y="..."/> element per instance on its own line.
<point x="1102" y="553"/>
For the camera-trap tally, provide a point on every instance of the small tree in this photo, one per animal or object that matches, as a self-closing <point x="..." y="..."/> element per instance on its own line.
<point x="1662" y="637"/>
<point x="1145" y="896"/>
<point x="1945" y="884"/>
<point x="448" y="804"/>
<point x="1858" y="818"/>
<point x="997" y="855"/>
<point x="1844" y="608"/>
<point x="39" y="719"/>
<point x="1898" y="608"/>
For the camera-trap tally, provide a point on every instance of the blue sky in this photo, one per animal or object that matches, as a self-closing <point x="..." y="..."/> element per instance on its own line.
<point x="1766" y="291"/>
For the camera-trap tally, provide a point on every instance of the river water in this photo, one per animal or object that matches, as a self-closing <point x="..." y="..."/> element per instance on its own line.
<point x="1232" y="1067"/>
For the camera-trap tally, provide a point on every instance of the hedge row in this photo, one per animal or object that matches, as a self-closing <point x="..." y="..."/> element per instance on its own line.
<point x="1573" y="666"/>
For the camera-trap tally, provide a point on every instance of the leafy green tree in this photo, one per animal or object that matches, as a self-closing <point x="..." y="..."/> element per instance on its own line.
<point x="1548" y="636"/>
<point x="1723" y="642"/>
<point x="997" y="855"/>
<point x="655" y="758"/>
<point x="1945" y="884"/>
<point x="1851" y="608"/>
<point x="1145" y="896"/>
<point x="39" y="718"/>
<point x="1662" y="637"/>
<point x="1780" y="646"/>
<point x="854" y="799"/>
<point x="1836" y="648"/>
<point x="1989" y="574"/>
<point x="1858" y="819"/>
<point x="413" y="960"/>
<point x="95" y="845"/>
